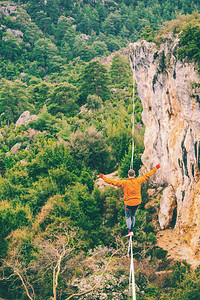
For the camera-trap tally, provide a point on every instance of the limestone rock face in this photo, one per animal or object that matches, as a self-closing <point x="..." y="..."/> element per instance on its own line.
<point x="167" y="207"/>
<point x="25" y="118"/>
<point x="169" y="91"/>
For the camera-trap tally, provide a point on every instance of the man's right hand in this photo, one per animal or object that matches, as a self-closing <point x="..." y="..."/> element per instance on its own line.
<point x="101" y="175"/>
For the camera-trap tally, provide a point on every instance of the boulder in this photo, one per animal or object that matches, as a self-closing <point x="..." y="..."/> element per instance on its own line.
<point x="15" y="148"/>
<point x="25" y="118"/>
<point x="167" y="207"/>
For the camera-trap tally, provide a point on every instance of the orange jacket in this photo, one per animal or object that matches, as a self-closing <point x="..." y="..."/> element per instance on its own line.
<point x="131" y="187"/>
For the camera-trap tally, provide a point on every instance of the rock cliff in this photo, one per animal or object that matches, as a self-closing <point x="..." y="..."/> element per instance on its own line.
<point x="169" y="91"/>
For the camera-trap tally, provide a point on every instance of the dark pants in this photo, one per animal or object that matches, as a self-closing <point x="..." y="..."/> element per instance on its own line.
<point x="130" y="212"/>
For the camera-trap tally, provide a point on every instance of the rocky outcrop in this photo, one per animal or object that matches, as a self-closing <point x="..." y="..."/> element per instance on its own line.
<point x="169" y="91"/>
<point x="15" y="149"/>
<point x="7" y="9"/>
<point x="167" y="207"/>
<point x="17" y="33"/>
<point x="26" y="118"/>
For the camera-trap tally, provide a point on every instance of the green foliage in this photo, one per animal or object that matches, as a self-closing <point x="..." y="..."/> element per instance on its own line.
<point x="88" y="20"/>
<point x="44" y="51"/>
<point x="62" y="99"/>
<point x="90" y="148"/>
<point x="190" y="43"/>
<point x="11" y="218"/>
<point x="39" y="92"/>
<point x="120" y="71"/>
<point x="63" y="25"/>
<point x="176" y="25"/>
<point x="112" y="24"/>
<point x="148" y="34"/>
<point x="112" y="207"/>
<point x="125" y="165"/>
<point x="119" y="139"/>
<point x="94" y="79"/>
<point x="84" y="212"/>
<point x="46" y="67"/>
<point x="14" y="99"/>
<point x="94" y="102"/>
<point x="100" y="48"/>
<point x="45" y="121"/>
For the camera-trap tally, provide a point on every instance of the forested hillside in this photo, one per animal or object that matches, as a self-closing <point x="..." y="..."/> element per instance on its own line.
<point x="66" y="62"/>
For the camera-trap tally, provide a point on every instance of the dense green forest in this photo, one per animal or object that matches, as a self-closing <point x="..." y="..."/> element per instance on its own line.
<point x="66" y="62"/>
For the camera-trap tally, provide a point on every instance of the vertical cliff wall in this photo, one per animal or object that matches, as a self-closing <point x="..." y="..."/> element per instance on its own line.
<point x="169" y="91"/>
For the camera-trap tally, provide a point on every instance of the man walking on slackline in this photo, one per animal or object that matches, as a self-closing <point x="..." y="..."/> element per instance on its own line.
<point x="132" y="194"/>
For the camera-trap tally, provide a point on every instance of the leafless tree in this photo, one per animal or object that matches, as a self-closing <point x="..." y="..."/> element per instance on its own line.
<point x="52" y="250"/>
<point x="120" y="248"/>
<point x="55" y="250"/>
<point x="17" y="269"/>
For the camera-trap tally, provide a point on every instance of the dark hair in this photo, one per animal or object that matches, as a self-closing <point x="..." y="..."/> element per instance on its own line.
<point x="131" y="172"/>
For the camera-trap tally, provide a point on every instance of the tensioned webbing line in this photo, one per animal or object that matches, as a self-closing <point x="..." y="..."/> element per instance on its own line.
<point x="132" y="64"/>
<point x="130" y="246"/>
<point x="132" y="276"/>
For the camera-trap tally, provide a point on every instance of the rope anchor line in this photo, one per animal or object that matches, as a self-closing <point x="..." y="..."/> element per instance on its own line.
<point x="130" y="246"/>
<point x="131" y="276"/>
<point x="132" y="65"/>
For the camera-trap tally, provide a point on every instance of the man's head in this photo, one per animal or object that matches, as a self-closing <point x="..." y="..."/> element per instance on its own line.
<point x="131" y="173"/>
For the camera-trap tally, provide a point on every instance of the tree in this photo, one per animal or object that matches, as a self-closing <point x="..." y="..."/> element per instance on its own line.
<point x="44" y="51"/>
<point x="119" y="140"/>
<point x="11" y="48"/>
<point x="90" y="147"/>
<point x="14" y="99"/>
<point x="39" y="92"/>
<point x="67" y="4"/>
<point x="9" y="70"/>
<point x="83" y="50"/>
<point x="69" y="37"/>
<point x="100" y="48"/>
<point x="66" y="52"/>
<point x="38" y="258"/>
<point x="138" y="150"/>
<point x="190" y="43"/>
<point x="94" y="79"/>
<point x="11" y="218"/>
<point x="52" y="10"/>
<point x="94" y="102"/>
<point x="44" y="22"/>
<point x="63" y="26"/>
<point x="87" y="19"/>
<point x="112" y="24"/>
<point x="113" y="43"/>
<point x="148" y="34"/>
<point x="120" y="71"/>
<point x="67" y="44"/>
<point x="63" y="99"/>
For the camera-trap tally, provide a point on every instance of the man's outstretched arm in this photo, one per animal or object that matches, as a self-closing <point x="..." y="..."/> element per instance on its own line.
<point x="149" y="174"/>
<point x="110" y="181"/>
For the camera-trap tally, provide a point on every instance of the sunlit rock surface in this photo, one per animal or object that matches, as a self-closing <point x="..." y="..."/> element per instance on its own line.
<point x="26" y="118"/>
<point x="169" y="91"/>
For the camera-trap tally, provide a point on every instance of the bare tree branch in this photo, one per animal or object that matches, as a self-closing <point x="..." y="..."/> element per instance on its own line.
<point x="25" y="285"/>
<point x="23" y="280"/>
<point x="104" y="271"/>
